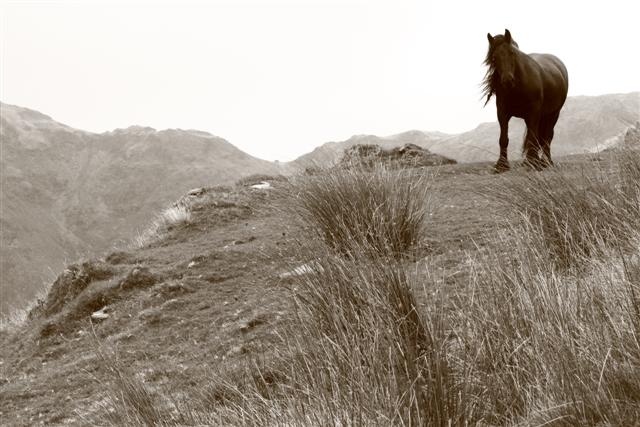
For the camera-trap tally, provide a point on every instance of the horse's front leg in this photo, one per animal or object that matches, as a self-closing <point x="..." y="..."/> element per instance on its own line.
<point x="502" y="164"/>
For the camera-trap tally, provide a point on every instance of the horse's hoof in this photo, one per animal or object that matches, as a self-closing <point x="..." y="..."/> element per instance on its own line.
<point x="501" y="167"/>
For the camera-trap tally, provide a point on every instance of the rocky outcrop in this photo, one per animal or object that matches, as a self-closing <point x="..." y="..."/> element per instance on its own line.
<point x="408" y="155"/>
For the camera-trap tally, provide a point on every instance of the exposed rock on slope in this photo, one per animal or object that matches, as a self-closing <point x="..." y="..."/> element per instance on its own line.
<point x="408" y="155"/>
<point x="330" y="153"/>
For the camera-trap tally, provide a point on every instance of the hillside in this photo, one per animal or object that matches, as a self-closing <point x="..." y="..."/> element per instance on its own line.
<point x="587" y="124"/>
<point x="67" y="192"/>
<point x="194" y="327"/>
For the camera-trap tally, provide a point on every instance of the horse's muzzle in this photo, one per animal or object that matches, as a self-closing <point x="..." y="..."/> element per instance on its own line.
<point x="508" y="81"/>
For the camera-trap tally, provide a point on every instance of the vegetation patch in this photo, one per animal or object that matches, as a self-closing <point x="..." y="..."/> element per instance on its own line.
<point x="379" y="210"/>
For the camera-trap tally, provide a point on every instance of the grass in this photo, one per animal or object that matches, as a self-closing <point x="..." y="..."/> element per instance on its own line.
<point x="172" y="216"/>
<point x="575" y="218"/>
<point x="546" y="330"/>
<point x="356" y="209"/>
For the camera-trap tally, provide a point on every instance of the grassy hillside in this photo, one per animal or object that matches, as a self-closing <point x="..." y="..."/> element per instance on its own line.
<point x="67" y="192"/>
<point x="430" y="296"/>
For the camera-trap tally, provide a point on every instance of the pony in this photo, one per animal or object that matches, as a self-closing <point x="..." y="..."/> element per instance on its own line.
<point x="532" y="87"/>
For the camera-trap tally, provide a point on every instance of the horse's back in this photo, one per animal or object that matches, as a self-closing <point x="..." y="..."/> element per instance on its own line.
<point x="555" y="79"/>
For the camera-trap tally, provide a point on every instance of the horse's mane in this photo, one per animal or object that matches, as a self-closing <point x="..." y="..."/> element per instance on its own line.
<point x="490" y="81"/>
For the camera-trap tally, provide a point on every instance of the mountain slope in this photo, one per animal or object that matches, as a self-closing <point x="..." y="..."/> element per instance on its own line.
<point x="67" y="192"/>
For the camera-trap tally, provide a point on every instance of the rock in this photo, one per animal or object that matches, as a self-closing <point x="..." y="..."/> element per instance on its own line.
<point x="264" y="185"/>
<point x="196" y="192"/>
<point x="100" y="314"/>
<point x="138" y="277"/>
<point x="408" y="155"/>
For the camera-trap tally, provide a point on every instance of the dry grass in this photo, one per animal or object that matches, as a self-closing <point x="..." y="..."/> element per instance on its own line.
<point x="172" y="216"/>
<point x="548" y="332"/>
<point x="575" y="218"/>
<point x="379" y="210"/>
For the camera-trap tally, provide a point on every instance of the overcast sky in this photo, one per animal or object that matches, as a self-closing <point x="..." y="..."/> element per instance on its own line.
<point x="278" y="78"/>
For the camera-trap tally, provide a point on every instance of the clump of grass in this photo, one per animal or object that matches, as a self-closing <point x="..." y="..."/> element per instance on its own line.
<point x="367" y="354"/>
<point x="628" y="162"/>
<point x="555" y="348"/>
<point x="128" y="400"/>
<point x="380" y="210"/>
<point x="177" y="214"/>
<point x="573" y="218"/>
<point x="18" y="316"/>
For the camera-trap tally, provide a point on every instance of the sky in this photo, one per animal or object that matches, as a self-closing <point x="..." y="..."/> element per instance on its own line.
<point x="277" y="78"/>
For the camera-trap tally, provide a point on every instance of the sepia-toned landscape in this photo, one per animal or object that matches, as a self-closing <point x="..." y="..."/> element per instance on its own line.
<point x="319" y="213"/>
<point x="372" y="290"/>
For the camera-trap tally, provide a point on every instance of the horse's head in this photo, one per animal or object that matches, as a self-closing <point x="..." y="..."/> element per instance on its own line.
<point x="501" y="58"/>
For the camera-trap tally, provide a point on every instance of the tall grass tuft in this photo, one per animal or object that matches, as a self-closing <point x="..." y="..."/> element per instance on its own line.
<point x="128" y="400"/>
<point x="574" y="218"/>
<point x="172" y="216"/>
<point x="377" y="209"/>
<point x="556" y="348"/>
<point x="367" y="354"/>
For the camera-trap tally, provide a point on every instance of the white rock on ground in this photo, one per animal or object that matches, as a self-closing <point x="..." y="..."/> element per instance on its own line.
<point x="262" y="186"/>
<point x="100" y="314"/>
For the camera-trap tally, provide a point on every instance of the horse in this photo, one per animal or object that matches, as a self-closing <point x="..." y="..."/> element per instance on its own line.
<point x="532" y="87"/>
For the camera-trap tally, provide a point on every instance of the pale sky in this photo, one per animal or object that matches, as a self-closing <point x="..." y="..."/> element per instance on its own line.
<point x="278" y="78"/>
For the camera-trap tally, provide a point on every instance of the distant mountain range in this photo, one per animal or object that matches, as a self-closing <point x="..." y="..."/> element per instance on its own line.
<point x="587" y="124"/>
<point x="66" y="193"/>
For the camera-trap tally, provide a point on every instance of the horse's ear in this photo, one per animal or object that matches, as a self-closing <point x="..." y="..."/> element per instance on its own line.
<point x="507" y="36"/>
<point x="490" y="38"/>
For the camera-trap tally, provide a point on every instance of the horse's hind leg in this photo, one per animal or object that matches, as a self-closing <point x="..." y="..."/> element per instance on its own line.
<point x="532" y="144"/>
<point x="546" y="135"/>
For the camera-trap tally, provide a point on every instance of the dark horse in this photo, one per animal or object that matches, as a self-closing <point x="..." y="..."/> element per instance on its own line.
<point x="532" y="87"/>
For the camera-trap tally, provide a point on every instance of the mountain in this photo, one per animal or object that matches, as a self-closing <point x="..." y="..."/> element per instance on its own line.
<point x="68" y="193"/>
<point x="587" y="124"/>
